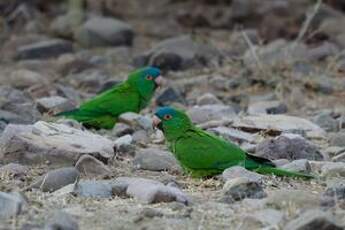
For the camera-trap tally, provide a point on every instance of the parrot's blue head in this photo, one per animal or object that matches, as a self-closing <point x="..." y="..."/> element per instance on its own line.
<point x="146" y="80"/>
<point x="173" y="122"/>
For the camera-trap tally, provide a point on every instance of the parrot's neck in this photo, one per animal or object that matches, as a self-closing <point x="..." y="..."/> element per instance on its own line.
<point x="172" y="134"/>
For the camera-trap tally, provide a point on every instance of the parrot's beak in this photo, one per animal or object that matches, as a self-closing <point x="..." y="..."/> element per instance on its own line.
<point x="159" y="81"/>
<point x="156" y="122"/>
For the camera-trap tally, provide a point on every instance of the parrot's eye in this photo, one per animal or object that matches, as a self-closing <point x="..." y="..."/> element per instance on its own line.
<point x="167" y="117"/>
<point x="149" y="77"/>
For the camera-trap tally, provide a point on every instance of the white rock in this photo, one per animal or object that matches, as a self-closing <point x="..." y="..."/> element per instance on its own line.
<point x="56" y="143"/>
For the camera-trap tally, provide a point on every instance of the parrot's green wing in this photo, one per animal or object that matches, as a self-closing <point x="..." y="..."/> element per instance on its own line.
<point x="102" y="110"/>
<point x="199" y="152"/>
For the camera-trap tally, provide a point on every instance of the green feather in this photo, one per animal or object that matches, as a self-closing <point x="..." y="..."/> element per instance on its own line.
<point x="103" y="110"/>
<point x="203" y="154"/>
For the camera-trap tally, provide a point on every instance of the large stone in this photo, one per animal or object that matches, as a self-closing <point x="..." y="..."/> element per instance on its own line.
<point x="10" y="205"/>
<point x="56" y="179"/>
<point x="276" y="123"/>
<point x="313" y="219"/>
<point x="87" y="188"/>
<point x="44" y="49"/>
<point x="149" y="191"/>
<point x="240" y="188"/>
<point x="89" y="166"/>
<point x="179" y="53"/>
<point x="233" y="134"/>
<point x="155" y="160"/>
<point x="238" y="171"/>
<point x="17" y="107"/>
<point x="291" y="147"/>
<point x="54" y="104"/>
<point x="56" y="143"/>
<point x="301" y="165"/>
<point x="103" y="31"/>
<point x="267" y="107"/>
<point x="205" y="113"/>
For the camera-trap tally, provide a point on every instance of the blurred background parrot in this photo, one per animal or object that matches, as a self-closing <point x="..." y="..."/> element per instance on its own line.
<point x="130" y="96"/>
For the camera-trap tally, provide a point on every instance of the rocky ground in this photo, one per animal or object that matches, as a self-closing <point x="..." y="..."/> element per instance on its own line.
<point x="267" y="75"/>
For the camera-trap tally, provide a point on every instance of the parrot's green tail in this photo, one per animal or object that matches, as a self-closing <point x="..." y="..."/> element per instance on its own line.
<point x="69" y="113"/>
<point x="282" y="172"/>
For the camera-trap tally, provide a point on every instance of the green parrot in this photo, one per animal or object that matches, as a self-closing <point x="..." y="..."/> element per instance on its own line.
<point x="203" y="154"/>
<point x="131" y="95"/>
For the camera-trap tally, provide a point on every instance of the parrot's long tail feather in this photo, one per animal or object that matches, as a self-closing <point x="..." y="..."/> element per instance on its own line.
<point x="67" y="113"/>
<point x="282" y="172"/>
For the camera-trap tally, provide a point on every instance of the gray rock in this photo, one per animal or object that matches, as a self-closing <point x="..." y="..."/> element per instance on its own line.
<point x="240" y="188"/>
<point x="56" y="179"/>
<point x="61" y="221"/>
<point x="233" y="134"/>
<point x="313" y="219"/>
<point x="90" y="167"/>
<point x="170" y="95"/>
<point x="291" y="147"/>
<point x="87" y="188"/>
<point x="267" y="107"/>
<point x="152" y="193"/>
<point x="64" y="25"/>
<point x="205" y="113"/>
<point x="281" y="162"/>
<point x="54" y="104"/>
<point x="277" y="123"/>
<point x="44" y="49"/>
<point x="333" y="169"/>
<point x="326" y="121"/>
<point x="141" y="137"/>
<point x="155" y="160"/>
<point x="121" y="129"/>
<point x="149" y="191"/>
<point x="123" y="141"/>
<point x="262" y="218"/>
<point x="103" y="31"/>
<point x="334" y="193"/>
<point x="10" y="205"/>
<point x="13" y="169"/>
<point x="136" y="120"/>
<point x="237" y="171"/>
<point x="300" y="198"/>
<point x="23" y="78"/>
<point x="17" y="107"/>
<point x="302" y="166"/>
<point x="179" y="53"/>
<point x="337" y="139"/>
<point x="57" y="143"/>
<point x="208" y="99"/>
